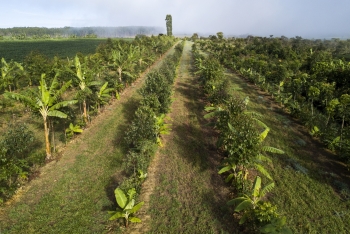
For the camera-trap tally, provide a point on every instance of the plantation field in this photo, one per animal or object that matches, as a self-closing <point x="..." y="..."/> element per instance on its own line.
<point x="18" y="50"/>
<point x="74" y="192"/>
<point x="307" y="176"/>
<point x="182" y="191"/>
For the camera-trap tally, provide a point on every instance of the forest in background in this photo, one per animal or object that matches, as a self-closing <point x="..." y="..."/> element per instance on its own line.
<point x="23" y="33"/>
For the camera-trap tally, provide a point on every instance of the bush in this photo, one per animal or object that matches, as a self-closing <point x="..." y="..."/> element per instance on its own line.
<point x="142" y="128"/>
<point x="14" y="165"/>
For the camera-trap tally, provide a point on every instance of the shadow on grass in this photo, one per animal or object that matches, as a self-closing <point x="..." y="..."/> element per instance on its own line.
<point x="128" y="109"/>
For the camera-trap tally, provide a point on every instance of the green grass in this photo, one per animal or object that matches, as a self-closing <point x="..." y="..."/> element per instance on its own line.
<point x="189" y="195"/>
<point x="302" y="193"/>
<point x="63" y="48"/>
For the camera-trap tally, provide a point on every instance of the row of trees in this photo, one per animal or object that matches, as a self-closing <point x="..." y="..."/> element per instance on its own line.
<point x="144" y="134"/>
<point x="51" y="88"/>
<point x="308" y="77"/>
<point x="241" y="142"/>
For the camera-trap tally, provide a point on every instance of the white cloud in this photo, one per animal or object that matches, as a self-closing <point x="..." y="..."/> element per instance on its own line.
<point x="278" y="17"/>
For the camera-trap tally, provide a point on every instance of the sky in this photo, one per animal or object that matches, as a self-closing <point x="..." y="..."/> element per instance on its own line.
<point x="305" y="18"/>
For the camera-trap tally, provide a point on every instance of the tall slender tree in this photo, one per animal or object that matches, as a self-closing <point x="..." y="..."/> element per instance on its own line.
<point x="169" y="25"/>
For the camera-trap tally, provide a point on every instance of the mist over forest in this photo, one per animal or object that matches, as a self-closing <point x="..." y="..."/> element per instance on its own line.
<point x="126" y="31"/>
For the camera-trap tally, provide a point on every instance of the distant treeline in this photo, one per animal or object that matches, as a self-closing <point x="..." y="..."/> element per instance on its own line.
<point x="129" y="31"/>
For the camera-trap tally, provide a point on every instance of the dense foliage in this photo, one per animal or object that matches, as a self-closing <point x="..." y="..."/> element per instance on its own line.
<point x="144" y="133"/>
<point x="241" y="136"/>
<point x="71" y="91"/>
<point x="309" y="78"/>
<point x="15" y="160"/>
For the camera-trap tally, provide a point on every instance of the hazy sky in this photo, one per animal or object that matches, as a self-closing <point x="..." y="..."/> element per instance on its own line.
<point x="306" y="18"/>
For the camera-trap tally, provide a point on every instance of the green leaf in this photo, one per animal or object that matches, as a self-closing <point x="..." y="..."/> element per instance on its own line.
<point x="263" y="158"/>
<point x="263" y="135"/>
<point x="63" y="104"/>
<point x="210" y="115"/>
<point x="120" y="197"/>
<point x="272" y="150"/>
<point x="130" y="205"/>
<point x="228" y="178"/>
<point x="231" y="127"/>
<point x="136" y="207"/>
<point x="243" y="218"/>
<point x="224" y="169"/>
<point x="236" y="201"/>
<point x="256" y="186"/>
<point x="131" y="193"/>
<point x="134" y="220"/>
<point x="56" y="113"/>
<point x="247" y="204"/>
<point x="209" y="108"/>
<point x="268" y="188"/>
<point x="262" y="170"/>
<point x="117" y="215"/>
<point x="268" y="228"/>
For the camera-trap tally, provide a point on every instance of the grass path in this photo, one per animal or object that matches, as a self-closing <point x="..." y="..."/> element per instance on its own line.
<point x="184" y="191"/>
<point x="73" y="194"/>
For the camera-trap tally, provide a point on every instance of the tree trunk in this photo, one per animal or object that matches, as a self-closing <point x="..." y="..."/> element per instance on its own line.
<point x="53" y="137"/>
<point x="341" y="133"/>
<point x="120" y="74"/>
<point x="85" y="112"/>
<point x="47" y="142"/>
<point x="329" y="117"/>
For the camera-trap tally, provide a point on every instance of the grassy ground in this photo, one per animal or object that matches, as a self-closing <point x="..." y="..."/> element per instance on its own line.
<point x="63" y="48"/>
<point x="184" y="192"/>
<point x="308" y="178"/>
<point x="74" y="193"/>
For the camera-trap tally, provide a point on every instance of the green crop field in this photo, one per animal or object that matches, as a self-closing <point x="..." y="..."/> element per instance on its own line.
<point x="18" y="50"/>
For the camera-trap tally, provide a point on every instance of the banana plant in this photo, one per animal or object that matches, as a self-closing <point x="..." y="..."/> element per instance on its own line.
<point x="123" y="62"/>
<point x="73" y="129"/>
<point x="249" y="202"/>
<point x="103" y="95"/>
<point x="8" y="73"/>
<point x="162" y="128"/>
<point x="127" y="207"/>
<point x="47" y="102"/>
<point x="84" y="85"/>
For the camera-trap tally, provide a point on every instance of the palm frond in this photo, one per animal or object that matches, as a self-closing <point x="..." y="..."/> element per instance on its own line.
<point x="272" y="150"/>
<point x="262" y="170"/>
<point x="56" y="113"/>
<point x="268" y="188"/>
<point x="263" y="158"/>
<point x="62" y="104"/>
<point x="263" y="135"/>
<point x="23" y="99"/>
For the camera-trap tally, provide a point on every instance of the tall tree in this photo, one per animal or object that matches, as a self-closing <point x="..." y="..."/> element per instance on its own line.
<point x="169" y="25"/>
<point x="47" y="102"/>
